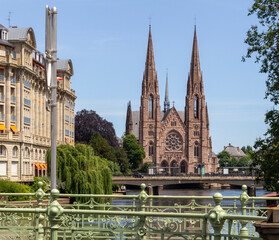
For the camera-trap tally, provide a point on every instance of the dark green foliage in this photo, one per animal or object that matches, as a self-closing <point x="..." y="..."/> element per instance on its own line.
<point x="89" y="122"/>
<point x="81" y="171"/>
<point x="7" y="186"/>
<point x="224" y="158"/>
<point x="247" y="149"/>
<point x="134" y="151"/>
<point x="122" y="160"/>
<point x="101" y="147"/>
<point x="263" y="43"/>
<point x="144" y="168"/>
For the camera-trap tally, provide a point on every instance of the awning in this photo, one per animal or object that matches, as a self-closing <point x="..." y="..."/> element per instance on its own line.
<point x="71" y="141"/>
<point x="14" y="129"/>
<point x="41" y="165"/>
<point x="2" y="127"/>
<point x="37" y="165"/>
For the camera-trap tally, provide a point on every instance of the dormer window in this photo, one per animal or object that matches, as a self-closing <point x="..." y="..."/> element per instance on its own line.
<point x="4" y="34"/>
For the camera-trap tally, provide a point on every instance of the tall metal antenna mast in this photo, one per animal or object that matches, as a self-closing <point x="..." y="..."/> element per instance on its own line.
<point x="9" y="19"/>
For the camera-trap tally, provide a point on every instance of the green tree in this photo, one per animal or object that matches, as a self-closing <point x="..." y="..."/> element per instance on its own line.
<point x="81" y="171"/>
<point x="263" y="43"/>
<point x="7" y="186"/>
<point x="243" y="162"/>
<point x="247" y="149"/>
<point x="122" y="160"/>
<point x="134" y="151"/>
<point x="101" y="147"/>
<point x="233" y="162"/>
<point x="224" y="158"/>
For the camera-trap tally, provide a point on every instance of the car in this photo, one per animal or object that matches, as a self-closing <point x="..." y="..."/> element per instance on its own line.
<point x="137" y="175"/>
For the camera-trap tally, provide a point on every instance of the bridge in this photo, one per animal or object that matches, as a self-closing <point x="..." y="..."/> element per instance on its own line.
<point x="159" y="181"/>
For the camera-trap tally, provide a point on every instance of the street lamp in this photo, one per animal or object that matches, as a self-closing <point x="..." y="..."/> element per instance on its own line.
<point x="51" y="81"/>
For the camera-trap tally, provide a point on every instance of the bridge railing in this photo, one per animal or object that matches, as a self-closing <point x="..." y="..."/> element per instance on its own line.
<point x="79" y="217"/>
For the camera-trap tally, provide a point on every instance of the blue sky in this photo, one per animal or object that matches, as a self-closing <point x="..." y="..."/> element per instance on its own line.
<point x="107" y="41"/>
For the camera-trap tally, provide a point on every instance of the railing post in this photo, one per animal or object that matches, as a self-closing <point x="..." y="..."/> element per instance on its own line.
<point x="40" y="217"/>
<point x="54" y="212"/>
<point x="244" y="197"/>
<point x="143" y="196"/>
<point x="216" y="216"/>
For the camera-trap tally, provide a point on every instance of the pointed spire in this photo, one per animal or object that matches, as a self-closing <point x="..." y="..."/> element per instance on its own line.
<point x="129" y="120"/>
<point x="195" y="76"/>
<point x="150" y="83"/>
<point x="167" y="101"/>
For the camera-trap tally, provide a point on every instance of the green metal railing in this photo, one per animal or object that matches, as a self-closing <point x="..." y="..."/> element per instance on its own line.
<point x="129" y="217"/>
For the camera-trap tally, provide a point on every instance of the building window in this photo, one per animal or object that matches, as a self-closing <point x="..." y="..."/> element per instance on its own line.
<point x="3" y="151"/>
<point x="14" y="168"/>
<point x="15" y="151"/>
<point x="173" y="141"/>
<point x="3" y="168"/>
<point x="151" y="149"/>
<point x="196" y="149"/>
<point x="150" y="106"/>
<point x="196" y="107"/>
<point x="27" y="153"/>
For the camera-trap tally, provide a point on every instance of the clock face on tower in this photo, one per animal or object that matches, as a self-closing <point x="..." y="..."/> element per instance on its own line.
<point x="173" y="142"/>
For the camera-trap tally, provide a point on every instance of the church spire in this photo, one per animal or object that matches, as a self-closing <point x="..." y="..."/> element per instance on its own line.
<point x="150" y="83"/>
<point x="195" y="76"/>
<point x="167" y="101"/>
<point x="129" y="120"/>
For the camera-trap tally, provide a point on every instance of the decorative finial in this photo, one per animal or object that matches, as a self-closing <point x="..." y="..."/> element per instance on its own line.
<point x="149" y="22"/>
<point x="173" y="103"/>
<point x="195" y="21"/>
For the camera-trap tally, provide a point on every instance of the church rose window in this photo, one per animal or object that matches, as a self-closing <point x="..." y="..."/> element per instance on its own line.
<point x="173" y="142"/>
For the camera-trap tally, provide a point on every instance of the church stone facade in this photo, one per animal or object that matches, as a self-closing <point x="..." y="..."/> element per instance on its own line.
<point x="175" y="142"/>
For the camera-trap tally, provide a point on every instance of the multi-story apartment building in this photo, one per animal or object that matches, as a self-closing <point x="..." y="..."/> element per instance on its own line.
<point x="25" y="123"/>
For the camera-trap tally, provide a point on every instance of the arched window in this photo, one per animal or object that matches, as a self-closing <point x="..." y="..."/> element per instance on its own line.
<point x="196" y="149"/>
<point x="27" y="152"/>
<point x="151" y="149"/>
<point x="196" y="107"/>
<point x="150" y="106"/>
<point x="15" y="149"/>
<point x="3" y="150"/>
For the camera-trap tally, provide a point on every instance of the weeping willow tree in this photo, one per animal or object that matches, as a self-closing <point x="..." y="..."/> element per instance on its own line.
<point x="80" y="171"/>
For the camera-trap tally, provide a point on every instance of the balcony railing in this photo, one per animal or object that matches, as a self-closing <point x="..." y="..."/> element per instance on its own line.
<point x="13" y="118"/>
<point x="13" y="80"/>
<point x="13" y="99"/>
<point x="27" y="120"/>
<point x="27" y="102"/>
<point x="130" y="217"/>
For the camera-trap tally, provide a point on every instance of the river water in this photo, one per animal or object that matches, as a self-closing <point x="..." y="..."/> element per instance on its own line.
<point x="200" y="192"/>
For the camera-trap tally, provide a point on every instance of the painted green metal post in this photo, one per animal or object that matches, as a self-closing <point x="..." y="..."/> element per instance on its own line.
<point x="143" y="196"/>
<point x="40" y="217"/>
<point x="54" y="212"/>
<point x="244" y="197"/>
<point x="216" y="216"/>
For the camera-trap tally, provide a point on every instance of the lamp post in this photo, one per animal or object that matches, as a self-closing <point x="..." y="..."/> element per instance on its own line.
<point x="51" y="81"/>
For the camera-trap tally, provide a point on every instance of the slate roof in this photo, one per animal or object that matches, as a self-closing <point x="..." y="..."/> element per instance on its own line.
<point x="2" y="27"/>
<point x="62" y="64"/>
<point x="6" y="43"/>
<point x="17" y="33"/>
<point x="234" y="151"/>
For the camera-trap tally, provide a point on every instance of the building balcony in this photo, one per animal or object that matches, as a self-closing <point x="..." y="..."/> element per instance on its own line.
<point x="13" y="99"/>
<point x="27" y="120"/>
<point x="2" y="117"/>
<point x="13" y="80"/>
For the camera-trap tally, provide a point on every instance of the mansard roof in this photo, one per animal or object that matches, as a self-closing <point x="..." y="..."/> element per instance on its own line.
<point x="21" y="34"/>
<point x="65" y="65"/>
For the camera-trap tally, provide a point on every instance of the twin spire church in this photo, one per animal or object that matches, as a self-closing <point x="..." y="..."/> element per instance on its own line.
<point x="175" y="142"/>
